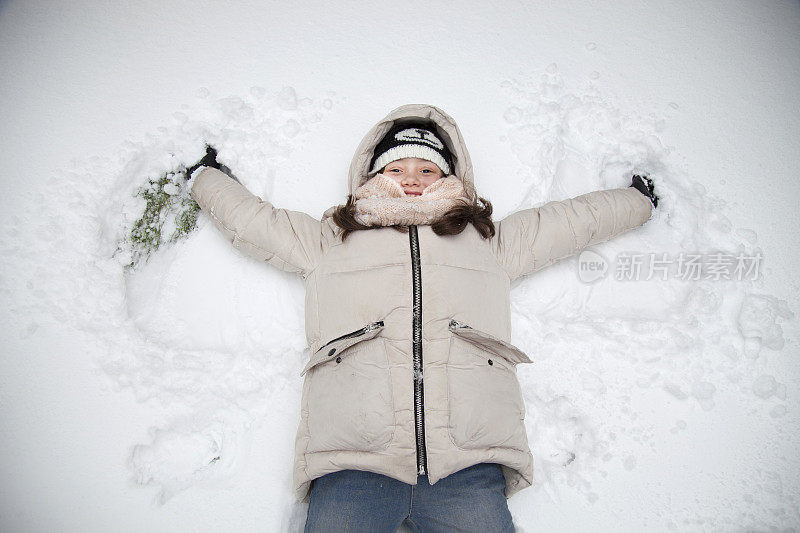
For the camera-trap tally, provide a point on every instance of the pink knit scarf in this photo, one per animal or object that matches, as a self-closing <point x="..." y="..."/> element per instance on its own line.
<point x="381" y="201"/>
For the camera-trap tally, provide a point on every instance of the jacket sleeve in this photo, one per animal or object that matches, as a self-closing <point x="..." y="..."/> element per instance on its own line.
<point x="531" y="239"/>
<point x="289" y="240"/>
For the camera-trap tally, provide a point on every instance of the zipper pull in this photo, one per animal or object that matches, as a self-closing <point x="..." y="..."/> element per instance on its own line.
<point x="455" y="324"/>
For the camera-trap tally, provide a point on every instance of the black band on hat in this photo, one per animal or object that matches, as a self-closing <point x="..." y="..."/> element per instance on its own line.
<point x="411" y="140"/>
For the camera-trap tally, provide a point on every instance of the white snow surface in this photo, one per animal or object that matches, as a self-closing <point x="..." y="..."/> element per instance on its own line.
<point x="166" y="398"/>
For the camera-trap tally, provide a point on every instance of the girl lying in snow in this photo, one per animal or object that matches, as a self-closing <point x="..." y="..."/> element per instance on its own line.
<point x="411" y="409"/>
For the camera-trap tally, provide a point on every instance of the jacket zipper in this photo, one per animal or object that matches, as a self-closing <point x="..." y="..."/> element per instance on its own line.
<point x="366" y="329"/>
<point x="419" y="414"/>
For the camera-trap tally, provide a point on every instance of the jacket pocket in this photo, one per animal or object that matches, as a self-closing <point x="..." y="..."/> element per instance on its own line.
<point x="349" y="393"/>
<point x="484" y="396"/>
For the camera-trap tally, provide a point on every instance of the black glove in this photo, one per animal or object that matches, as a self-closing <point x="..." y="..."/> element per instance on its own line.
<point x="644" y="185"/>
<point x="209" y="160"/>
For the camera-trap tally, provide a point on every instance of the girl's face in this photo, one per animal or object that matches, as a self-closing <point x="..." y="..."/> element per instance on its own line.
<point x="413" y="174"/>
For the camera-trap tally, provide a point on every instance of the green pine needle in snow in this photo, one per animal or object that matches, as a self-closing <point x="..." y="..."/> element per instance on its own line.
<point x="169" y="214"/>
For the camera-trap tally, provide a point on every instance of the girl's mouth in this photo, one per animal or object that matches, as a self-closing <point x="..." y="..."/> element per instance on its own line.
<point x="412" y="193"/>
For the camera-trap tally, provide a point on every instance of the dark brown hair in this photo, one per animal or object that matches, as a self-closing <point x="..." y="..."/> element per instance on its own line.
<point x="478" y="213"/>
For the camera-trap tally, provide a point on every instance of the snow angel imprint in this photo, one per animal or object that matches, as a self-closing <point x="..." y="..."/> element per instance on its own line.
<point x="411" y="382"/>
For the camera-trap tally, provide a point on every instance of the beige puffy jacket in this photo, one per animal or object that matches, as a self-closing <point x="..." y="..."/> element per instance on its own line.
<point x="369" y="299"/>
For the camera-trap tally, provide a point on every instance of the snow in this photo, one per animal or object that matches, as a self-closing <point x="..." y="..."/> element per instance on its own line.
<point x="166" y="397"/>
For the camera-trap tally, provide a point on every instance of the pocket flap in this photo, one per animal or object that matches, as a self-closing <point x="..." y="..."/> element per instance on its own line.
<point x="340" y="344"/>
<point x="489" y="343"/>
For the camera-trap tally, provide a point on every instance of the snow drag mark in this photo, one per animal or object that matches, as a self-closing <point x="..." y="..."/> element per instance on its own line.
<point x="189" y="452"/>
<point x="205" y="332"/>
<point x="758" y="323"/>
<point x="605" y="350"/>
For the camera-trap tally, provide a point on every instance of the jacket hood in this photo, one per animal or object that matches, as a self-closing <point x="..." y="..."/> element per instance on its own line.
<point x="445" y="127"/>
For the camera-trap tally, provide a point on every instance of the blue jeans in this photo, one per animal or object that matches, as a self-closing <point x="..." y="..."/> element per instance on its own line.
<point x="355" y="501"/>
